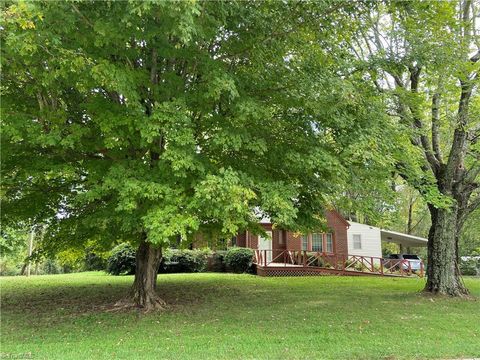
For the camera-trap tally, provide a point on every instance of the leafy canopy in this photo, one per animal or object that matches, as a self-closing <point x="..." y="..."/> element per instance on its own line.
<point x="163" y="119"/>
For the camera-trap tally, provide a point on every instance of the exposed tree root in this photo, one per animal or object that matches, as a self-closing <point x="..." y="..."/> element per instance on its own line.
<point x="151" y="304"/>
<point x="460" y="293"/>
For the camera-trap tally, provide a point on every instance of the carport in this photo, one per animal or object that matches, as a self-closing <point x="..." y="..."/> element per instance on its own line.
<point x="405" y="240"/>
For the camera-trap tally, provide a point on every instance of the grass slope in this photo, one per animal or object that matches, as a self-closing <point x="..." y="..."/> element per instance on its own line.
<point x="226" y="316"/>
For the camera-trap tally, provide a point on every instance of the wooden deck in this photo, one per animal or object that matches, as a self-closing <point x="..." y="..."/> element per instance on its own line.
<point x="303" y="263"/>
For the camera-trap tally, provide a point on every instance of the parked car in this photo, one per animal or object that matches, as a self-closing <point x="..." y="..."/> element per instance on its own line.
<point x="403" y="262"/>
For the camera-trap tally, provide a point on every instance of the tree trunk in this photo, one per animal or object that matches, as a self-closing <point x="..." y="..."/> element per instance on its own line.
<point x="443" y="275"/>
<point x="147" y="263"/>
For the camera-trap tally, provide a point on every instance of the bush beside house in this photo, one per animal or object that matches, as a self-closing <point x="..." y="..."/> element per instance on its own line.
<point x="216" y="261"/>
<point x="238" y="260"/>
<point x="184" y="261"/>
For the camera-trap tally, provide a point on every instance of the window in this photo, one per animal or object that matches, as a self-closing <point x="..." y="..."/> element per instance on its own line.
<point x="280" y="237"/>
<point x="234" y="241"/>
<point x="357" y="242"/>
<point x="304" y="242"/>
<point x="329" y="243"/>
<point x="317" y="242"/>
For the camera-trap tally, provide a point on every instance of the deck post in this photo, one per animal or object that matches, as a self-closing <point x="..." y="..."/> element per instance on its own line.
<point x="371" y="264"/>
<point x="381" y="267"/>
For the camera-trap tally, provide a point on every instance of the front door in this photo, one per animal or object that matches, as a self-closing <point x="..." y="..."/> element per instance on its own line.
<point x="265" y="243"/>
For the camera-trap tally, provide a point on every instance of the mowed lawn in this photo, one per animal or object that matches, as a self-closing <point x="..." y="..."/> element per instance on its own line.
<point x="227" y="316"/>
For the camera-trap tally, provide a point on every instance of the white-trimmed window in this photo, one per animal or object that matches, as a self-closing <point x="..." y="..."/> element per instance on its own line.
<point x="317" y="242"/>
<point x="329" y="241"/>
<point x="305" y="242"/>
<point x="357" y="241"/>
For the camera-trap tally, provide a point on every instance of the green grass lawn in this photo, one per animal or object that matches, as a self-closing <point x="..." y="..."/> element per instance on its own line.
<point x="226" y="316"/>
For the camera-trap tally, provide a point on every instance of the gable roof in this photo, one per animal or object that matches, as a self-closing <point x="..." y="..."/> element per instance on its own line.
<point x="339" y="217"/>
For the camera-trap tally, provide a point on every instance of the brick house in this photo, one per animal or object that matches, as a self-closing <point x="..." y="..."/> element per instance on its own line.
<point x="346" y="248"/>
<point x="334" y="241"/>
<point x="342" y="238"/>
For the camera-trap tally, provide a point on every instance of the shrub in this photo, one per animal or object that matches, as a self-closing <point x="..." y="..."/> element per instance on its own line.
<point x="239" y="259"/>
<point x="184" y="261"/>
<point x="9" y="267"/>
<point x="94" y="262"/>
<point x="71" y="260"/>
<point x="167" y="266"/>
<point x="50" y="266"/>
<point x="121" y="260"/>
<point x="216" y="261"/>
<point x="470" y="265"/>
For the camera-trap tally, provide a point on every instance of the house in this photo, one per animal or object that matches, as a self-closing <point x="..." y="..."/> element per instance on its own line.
<point x="343" y="237"/>
<point x="344" y="243"/>
<point x="332" y="242"/>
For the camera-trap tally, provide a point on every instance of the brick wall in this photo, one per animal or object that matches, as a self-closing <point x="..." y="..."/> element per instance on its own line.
<point x="294" y="241"/>
<point x="242" y="239"/>
<point x="338" y="226"/>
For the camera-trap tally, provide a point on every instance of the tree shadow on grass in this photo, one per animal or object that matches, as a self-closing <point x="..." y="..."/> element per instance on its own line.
<point x="195" y="293"/>
<point x="70" y="298"/>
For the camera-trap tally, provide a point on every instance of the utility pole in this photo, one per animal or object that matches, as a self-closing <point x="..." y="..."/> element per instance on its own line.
<point x="30" y="248"/>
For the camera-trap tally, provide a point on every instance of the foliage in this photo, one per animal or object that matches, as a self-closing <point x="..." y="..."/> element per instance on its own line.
<point x="13" y="249"/>
<point x="239" y="259"/>
<point x="470" y="265"/>
<point x="171" y="119"/>
<point x="71" y="260"/>
<point x="50" y="266"/>
<point x="185" y="261"/>
<point x="13" y="241"/>
<point x="94" y="261"/>
<point x="216" y="261"/>
<point x="9" y="267"/>
<point x="121" y="260"/>
<point x="469" y="244"/>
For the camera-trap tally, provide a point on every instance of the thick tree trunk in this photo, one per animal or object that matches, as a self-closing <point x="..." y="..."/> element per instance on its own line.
<point x="144" y="286"/>
<point x="443" y="275"/>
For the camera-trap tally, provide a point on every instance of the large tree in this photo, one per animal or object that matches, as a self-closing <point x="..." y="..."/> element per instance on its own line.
<point x="423" y="58"/>
<point x="153" y="121"/>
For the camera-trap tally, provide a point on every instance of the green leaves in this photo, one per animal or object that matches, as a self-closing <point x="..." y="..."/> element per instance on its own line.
<point x="225" y="199"/>
<point x="220" y="84"/>
<point x="177" y="118"/>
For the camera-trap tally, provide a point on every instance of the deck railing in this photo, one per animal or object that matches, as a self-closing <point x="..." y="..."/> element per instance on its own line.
<point x="337" y="262"/>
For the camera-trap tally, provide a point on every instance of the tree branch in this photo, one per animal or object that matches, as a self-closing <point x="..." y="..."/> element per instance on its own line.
<point x="475" y="57"/>
<point x="473" y="205"/>
<point x="81" y="15"/>
<point x="435" y="127"/>
<point x="455" y="166"/>
<point x="424" y="141"/>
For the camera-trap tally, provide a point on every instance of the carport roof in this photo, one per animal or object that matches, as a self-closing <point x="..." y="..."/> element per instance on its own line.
<point x="404" y="239"/>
